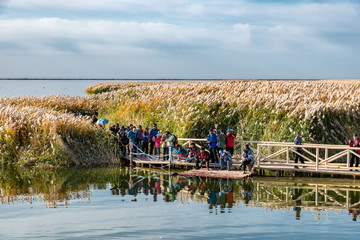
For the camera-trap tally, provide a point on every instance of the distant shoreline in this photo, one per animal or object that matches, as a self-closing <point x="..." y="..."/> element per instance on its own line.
<point x="176" y="79"/>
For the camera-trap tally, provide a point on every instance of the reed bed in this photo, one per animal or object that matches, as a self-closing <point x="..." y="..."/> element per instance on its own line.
<point x="32" y="135"/>
<point x="326" y="111"/>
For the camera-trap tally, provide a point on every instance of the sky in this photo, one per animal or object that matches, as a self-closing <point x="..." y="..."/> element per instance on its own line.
<point x="216" y="39"/>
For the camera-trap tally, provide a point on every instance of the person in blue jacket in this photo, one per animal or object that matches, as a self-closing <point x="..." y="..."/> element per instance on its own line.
<point x="181" y="151"/>
<point x="213" y="147"/>
<point x="133" y="137"/>
<point x="153" y="132"/>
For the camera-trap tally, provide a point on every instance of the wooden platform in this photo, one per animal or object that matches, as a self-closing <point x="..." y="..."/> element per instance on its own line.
<point x="308" y="169"/>
<point x="216" y="174"/>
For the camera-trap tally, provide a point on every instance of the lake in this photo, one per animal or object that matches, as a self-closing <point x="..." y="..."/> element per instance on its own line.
<point x="14" y="88"/>
<point x="42" y="87"/>
<point x="124" y="203"/>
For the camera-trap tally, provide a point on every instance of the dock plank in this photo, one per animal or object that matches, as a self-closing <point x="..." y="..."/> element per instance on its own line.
<point x="216" y="174"/>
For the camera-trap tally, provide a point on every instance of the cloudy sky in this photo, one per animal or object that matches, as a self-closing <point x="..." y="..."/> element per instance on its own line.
<point x="180" y="38"/>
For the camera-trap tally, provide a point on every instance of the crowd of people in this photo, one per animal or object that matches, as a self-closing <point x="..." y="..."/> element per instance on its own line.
<point x="150" y="142"/>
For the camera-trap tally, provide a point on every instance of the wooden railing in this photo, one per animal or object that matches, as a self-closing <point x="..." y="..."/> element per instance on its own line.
<point x="318" y="156"/>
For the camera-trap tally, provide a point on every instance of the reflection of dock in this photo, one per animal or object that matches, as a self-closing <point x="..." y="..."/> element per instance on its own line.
<point x="275" y="157"/>
<point x="314" y="196"/>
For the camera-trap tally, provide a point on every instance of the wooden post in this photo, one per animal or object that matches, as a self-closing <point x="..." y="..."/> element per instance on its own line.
<point x="317" y="159"/>
<point x="287" y="155"/>
<point x="348" y="159"/>
<point x="326" y="156"/>
<point x="258" y="155"/>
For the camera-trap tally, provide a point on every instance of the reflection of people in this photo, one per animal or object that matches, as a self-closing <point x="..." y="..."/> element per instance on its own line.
<point x="297" y="202"/>
<point x="247" y="191"/>
<point x="354" y="213"/>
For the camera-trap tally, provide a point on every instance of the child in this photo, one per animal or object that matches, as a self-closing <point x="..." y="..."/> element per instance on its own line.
<point x="157" y="141"/>
<point x="164" y="146"/>
<point x="193" y="150"/>
<point x="201" y="157"/>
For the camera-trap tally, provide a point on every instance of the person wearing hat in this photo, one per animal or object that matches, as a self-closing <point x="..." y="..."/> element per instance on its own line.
<point x="225" y="159"/>
<point x="229" y="141"/>
<point x="298" y="141"/>
<point x="247" y="157"/>
<point x="153" y="133"/>
<point x="157" y="141"/>
<point x="201" y="157"/>
<point x="354" y="143"/>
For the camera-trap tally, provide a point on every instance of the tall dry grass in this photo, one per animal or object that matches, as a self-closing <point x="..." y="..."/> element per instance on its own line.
<point x="34" y="135"/>
<point x="327" y="111"/>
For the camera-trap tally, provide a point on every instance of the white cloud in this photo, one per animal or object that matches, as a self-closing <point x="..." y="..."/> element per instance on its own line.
<point x="171" y="32"/>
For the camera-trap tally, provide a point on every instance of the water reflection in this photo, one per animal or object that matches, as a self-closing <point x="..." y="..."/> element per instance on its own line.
<point x="58" y="187"/>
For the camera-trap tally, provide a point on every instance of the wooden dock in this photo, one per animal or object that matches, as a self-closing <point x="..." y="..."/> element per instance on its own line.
<point x="216" y="174"/>
<point x="320" y="159"/>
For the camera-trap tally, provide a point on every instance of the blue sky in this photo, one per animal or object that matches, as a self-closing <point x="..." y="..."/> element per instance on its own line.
<point x="180" y="38"/>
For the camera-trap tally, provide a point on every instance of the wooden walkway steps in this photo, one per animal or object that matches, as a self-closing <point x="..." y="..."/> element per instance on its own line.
<point x="216" y="174"/>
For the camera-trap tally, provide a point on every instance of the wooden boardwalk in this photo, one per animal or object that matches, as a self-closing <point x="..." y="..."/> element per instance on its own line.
<point x="326" y="159"/>
<point x="216" y="174"/>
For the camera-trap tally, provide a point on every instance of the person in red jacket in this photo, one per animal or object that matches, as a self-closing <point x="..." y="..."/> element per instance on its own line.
<point x="201" y="157"/>
<point x="229" y="141"/>
<point x="354" y="143"/>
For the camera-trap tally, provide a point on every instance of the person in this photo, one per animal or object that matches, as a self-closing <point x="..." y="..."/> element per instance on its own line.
<point x="145" y="141"/>
<point x="221" y="137"/>
<point x="157" y="141"/>
<point x="229" y="142"/>
<point x="298" y="141"/>
<point x="171" y="141"/>
<point x="164" y="146"/>
<point x="225" y="159"/>
<point x="354" y="143"/>
<point x="123" y="140"/>
<point x="140" y="136"/>
<point x="213" y="147"/>
<point x="153" y="133"/>
<point x="133" y="137"/>
<point x="201" y="157"/>
<point x="247" y="157"/>
<point x="94" y="120"/>
<point x="208" y="139"/>
<point x="193" y="150"/>
<point x="181" y="151"/>
<point x="114" y="129"/>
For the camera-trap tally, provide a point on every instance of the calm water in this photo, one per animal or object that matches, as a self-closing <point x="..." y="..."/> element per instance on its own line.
<point x="113" y="203"/>
<point x="14" y="88"/>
